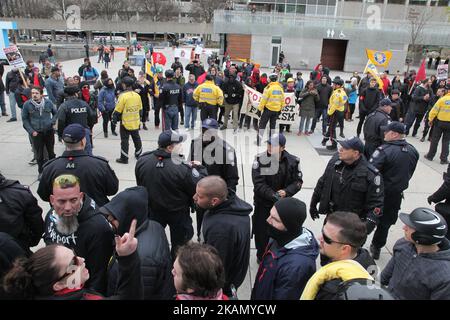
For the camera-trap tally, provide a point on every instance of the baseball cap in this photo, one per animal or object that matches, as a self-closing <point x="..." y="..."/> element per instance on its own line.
<point x="277" y="138"/>
<point x="168" y="137"/>
<point x="385" y="102"/>
<point x="395" y="91"/>
<point x="210" y="124"/>
<point x="394" y="126"/>
<point x="74" y="133"/>
<point x="353" y="143"/>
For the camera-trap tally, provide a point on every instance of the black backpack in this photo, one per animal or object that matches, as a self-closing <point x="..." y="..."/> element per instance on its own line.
<point x="362" y="289"/>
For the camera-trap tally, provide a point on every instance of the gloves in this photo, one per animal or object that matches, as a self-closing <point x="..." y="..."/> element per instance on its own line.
<point x="370" y="225"/>
<point x="429" y="200"/>
<point x="313" y="213"/>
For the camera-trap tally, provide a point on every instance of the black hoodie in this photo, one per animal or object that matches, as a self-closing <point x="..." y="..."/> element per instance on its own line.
<point x="153" y="247"/>
<point x="93" y="241"/>
<point x="227" y="228"/>
<point x="369" y="99"/>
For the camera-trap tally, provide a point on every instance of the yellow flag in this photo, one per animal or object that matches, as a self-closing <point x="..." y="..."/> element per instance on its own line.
<point x="379" y="58"/>
<point x="370" y="67"/>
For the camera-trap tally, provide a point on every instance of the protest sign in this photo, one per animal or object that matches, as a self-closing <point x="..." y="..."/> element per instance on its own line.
<point x="14" y="57"/>
<point x="442" y="72"/>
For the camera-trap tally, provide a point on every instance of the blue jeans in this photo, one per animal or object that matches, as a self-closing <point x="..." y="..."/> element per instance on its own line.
<point x="318" y="113"/>
<point x="171" y="118"/>
<point x="302" y="124"/>
<point x="2" y="102"/>
<point x="190" y="112"/>
<point x="12" y="104"/>
<point x="88" y="146"/>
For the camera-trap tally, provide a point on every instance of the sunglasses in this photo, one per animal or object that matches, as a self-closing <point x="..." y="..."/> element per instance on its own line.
<point x="74" y="262"/>
<point x="328" y="240"/>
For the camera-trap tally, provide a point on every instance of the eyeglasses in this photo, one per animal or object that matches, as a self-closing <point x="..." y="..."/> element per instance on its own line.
<point x="328" y="240"/>
<point x="70" y="268"/>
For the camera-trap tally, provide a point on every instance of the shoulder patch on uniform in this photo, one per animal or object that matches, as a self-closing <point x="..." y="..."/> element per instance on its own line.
<point x="195" y="173"/>
<point x="375" y="154"/>
<point x="377" y="180"/>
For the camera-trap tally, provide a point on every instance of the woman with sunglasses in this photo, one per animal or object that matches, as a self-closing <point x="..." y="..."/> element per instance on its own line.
<point x="57" y="273"/>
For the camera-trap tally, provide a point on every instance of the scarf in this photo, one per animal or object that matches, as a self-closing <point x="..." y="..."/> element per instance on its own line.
<point x="38" y="105"/>
<point x="86" y="95"/>
<point x="36" y="81"/>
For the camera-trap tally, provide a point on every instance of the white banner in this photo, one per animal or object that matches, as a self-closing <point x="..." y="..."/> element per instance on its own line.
<point x="182" y="53"/>
<point x="442" y="72"/>
<point x="251" y="102"/>
<point x="198" y="50"/>
<point x="14" y="57"/>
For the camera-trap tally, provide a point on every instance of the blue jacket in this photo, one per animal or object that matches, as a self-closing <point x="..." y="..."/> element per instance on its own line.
<point x="106" y="99"/>
<point x="299" y="85"/>
<point x="34" y="119"/>
<point x="188" y="91"/>
<point x="54" y="88"/>
<point x="90" y="74"/>
<point x="284" y="272"/>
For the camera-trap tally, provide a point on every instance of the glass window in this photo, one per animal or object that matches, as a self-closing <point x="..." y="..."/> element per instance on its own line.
<point x="301" y="9"/>
<point x="301" y="2"/>
<point x="312" y="2"/>
<point x="443" y="3"/>
<point x="280" y="8"/>
<point x="396" y="1"/>
<point x="290" y="8"/>
<point x="322" y="10"/>
<point x="331" y="2"/>
<point x="322" y="2"/>
<point x="276" y="40"/>
<point x="330" y="11"/>
<point x="354" y="0"/>
<point x="417" y="2"/>
<point x="311" y="10"/>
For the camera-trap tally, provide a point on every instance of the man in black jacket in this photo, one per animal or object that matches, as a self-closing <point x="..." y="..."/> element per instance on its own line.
<point x="351" y="184"/>
<point x="170" y="183"/>
<point x="2" y="91"/>
<point x="74" y="222"/>
<point x="195" y="68"/>
<point x="373" y="132"/>
<point x="396" y="160"/>
<point x="369" y="100"/>
<point x="75" y="110"/>
<point x="153" y="248"/>
<point x="443" y="194"/>
<point x="276" y="174"/>
<point x="171" y="100"/>
<point x="97" y="178"/>
<point x="226" y="226"/>
<point x="398" y="107"/>
<point x="20" y="214"/>
<point x="418" y="106"/>
<point x="325" y="90"/>
<point x="218" y="157"/>
<point x="11" y="85"/>
<point x="233" y="94"/>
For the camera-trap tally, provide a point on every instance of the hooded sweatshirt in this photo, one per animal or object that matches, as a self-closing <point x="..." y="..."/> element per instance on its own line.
<point x="413" y="276"/>
<point x="153" y="247"/>
<point x="284" y="271"/>
<point x="93" y="241"/>
<point x="227" y="228"/>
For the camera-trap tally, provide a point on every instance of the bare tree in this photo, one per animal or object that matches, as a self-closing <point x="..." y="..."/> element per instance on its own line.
<point x="158" y="10"/>
<point x="418" y="21"/>
<point x="203" y="10"/>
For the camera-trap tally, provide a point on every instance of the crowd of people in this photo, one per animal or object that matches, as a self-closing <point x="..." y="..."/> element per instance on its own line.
<point x="104" y="242"/>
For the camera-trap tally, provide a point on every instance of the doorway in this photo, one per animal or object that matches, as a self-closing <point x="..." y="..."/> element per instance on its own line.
<point x="333" y="53"/>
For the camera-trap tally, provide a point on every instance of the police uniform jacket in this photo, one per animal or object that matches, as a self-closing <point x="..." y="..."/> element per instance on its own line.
<point x="267" y="181"/>
<point x="224" y="166"/>
<point x="170" y="185"/>
<point x="396" y="161"/>
<point x="75" y="110"/>
<point x="171" y="94"/>
<point x="355" y="188"/>
<point x="372" y="127"/>
<point x="97" y="178"/>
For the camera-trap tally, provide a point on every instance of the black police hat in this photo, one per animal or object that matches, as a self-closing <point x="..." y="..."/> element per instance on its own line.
<point x="337" y="80"/>
<point x="71" y="90"/>
<point x="353" y="143"/>
<point x="128" y="81"/>
<point x="168" y="137"/>
<point x="210" y="123"/>
<point x="277" y="138"/>
<point x="169" y="73"/>
<point x="74" y="133"/>
<point x="394" y="126"/>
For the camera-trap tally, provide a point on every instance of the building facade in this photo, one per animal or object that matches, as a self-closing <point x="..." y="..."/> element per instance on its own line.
<point x="333" y="32"/>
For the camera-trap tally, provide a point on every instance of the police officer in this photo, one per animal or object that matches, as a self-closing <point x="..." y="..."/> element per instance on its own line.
<point x="373" y="134"/>
<point x="210" y="97"/>
<point x="335" y="112"/>
<point x="171" y="100"/>
<point x="97" y="178"/>
<point x="128" y="110"/>
<point x="171" y="183"/>
<point x="20" y="214"/>
<point x="276" y="174"/>
<point x="442" y="198"/>
<point x="155" y="91"/>
<point x="75" y="110"/>
<point x="349" y="183"/>
<point x="396" y="160"/>
<point x="269" y="108"/>
<point x="217" y="156"/>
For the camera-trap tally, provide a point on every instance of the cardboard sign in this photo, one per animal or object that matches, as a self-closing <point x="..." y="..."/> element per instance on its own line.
<point x="251" y="102"/>
<point x="14" y="57"/>
<point x="442" y="72"/>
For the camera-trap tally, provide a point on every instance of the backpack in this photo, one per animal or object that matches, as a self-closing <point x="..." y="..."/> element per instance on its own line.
<point x="362" y="289"/>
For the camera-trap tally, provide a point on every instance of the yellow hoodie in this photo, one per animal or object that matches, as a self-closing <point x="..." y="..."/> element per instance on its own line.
<point x="441" y="109"/>
<point x="337" y="101"/>
<point x="208" y="93"/>
<point x="344" y="269"/>
<point x="272" y="98"/>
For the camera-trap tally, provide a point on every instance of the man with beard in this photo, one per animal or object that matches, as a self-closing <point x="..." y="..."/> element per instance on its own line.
<point x="73" y="221"/>
<point x="217" y="156"/>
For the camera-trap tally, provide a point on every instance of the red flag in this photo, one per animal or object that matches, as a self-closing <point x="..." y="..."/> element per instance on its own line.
<point x="201" y="78"/>
<point x="421" y="74"/>
<point x="159" y="58"/>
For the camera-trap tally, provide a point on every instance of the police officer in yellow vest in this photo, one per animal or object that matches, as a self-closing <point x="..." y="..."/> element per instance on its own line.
<point x="128" y="110"/>
<point x="439" y="118"/>
<point x="335" y="112"/>
<point x="272" y="101"/>
<point x="210" y="97"/>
